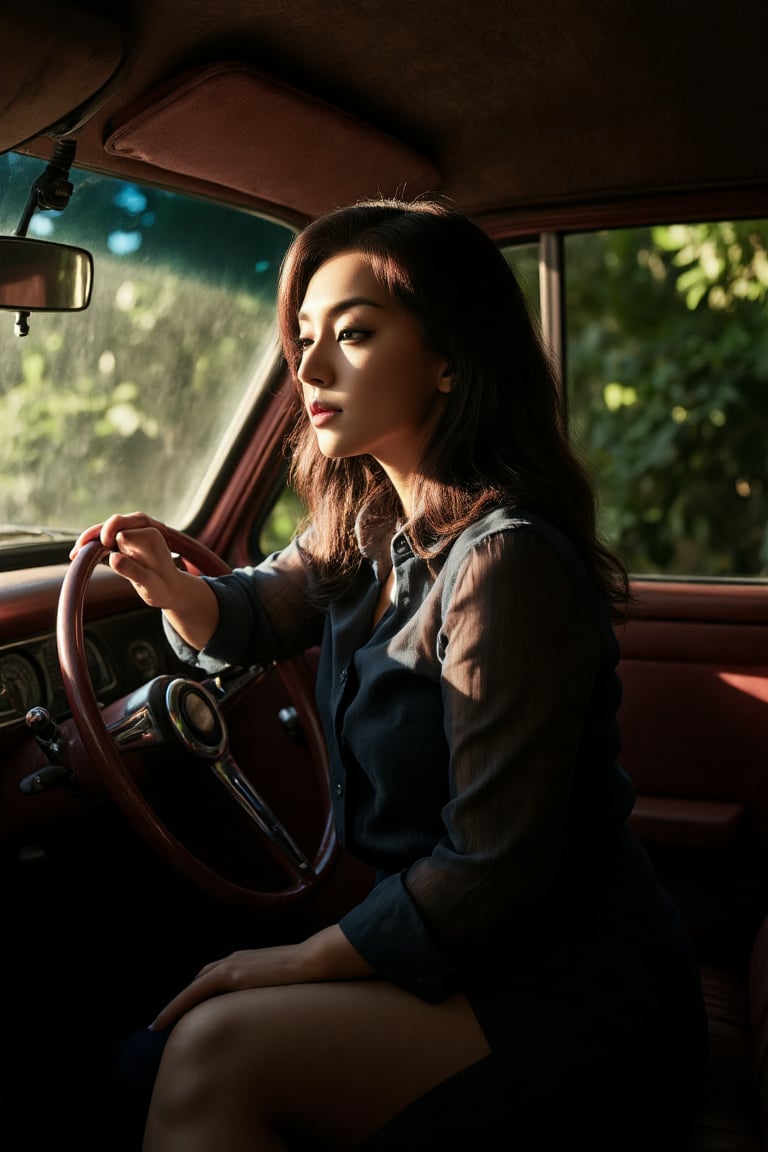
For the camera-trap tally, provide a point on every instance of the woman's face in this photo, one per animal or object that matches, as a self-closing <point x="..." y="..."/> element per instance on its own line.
<point x="370" y="382"/>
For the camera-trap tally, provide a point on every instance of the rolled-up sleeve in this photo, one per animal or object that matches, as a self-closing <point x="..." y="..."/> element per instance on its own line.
<point x="389" y="930"/>
<point x="268" y="612"/>
<point x="520" y="659"/>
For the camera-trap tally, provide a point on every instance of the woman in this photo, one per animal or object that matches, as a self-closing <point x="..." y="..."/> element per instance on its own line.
<point x="516" y="962"/>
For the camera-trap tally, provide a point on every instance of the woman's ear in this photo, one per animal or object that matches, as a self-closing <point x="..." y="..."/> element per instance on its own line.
<point x="445" y="380"/>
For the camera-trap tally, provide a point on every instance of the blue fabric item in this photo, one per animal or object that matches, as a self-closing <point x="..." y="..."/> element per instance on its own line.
<point x="474" y="763"/>
<point x="138" y="1059"/>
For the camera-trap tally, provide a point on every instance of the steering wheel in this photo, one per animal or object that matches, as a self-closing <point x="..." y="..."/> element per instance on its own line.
<point x="172" y="709"/>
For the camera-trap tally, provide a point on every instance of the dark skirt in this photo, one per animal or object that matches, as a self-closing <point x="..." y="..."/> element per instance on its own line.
<point x="598" y="1032"/>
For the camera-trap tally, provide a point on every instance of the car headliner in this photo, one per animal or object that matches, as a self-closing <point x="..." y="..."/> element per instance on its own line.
<point x="515" y="102"/>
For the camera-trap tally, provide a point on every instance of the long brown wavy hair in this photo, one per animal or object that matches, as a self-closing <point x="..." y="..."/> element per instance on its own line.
<point x="501" y="439"/>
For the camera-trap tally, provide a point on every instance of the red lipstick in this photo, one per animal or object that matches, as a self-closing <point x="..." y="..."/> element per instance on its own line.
<point x="320" y="413"/>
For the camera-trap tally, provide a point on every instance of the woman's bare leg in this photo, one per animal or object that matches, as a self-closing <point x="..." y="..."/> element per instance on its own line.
<point x="327" y="1062"/>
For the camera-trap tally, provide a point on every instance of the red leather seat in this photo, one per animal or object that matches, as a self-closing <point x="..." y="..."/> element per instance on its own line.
<point x="732" y="1115"/>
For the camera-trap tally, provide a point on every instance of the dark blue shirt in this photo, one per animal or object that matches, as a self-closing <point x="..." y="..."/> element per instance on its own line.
<point x="471" y="733"/>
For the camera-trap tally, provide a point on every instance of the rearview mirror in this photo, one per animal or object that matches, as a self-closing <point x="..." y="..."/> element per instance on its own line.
<point x="39" y="276"/>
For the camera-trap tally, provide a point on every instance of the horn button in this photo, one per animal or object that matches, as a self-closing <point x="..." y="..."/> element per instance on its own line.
<point x="195" y="718"/>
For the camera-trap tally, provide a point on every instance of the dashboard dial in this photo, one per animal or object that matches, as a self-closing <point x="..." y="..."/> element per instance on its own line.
<point x="20" y="686"/>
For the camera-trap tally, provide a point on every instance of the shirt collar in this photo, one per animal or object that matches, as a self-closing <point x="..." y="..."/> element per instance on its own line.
<point x="374" y="533"/>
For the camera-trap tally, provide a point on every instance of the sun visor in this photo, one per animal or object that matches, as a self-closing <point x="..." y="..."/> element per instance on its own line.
<point x="55" y="59"/>
<point x="231" y="125"/>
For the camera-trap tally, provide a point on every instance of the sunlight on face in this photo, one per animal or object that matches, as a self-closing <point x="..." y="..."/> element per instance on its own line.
<point x="370" y="382"/>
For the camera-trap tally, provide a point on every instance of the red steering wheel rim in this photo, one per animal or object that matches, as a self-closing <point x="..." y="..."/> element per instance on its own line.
<point x="108" y="763"/>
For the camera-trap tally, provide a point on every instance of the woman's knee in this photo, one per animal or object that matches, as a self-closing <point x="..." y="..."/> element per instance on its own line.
<point x="198" y="1062"/>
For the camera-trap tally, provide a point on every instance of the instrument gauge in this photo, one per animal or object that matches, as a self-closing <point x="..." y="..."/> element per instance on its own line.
<point x="20" y="686"/>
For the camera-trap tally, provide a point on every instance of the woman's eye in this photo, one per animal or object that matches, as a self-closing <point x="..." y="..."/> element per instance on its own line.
<point x="302" y="342"/>
<point x="354" y="335"/>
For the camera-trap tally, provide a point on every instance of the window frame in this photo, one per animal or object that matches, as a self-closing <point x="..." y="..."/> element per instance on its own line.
<point x="553" y="224"/>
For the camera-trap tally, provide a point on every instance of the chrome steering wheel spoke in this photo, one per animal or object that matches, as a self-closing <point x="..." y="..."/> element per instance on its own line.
<point x="173" y="709"/>
<point x="274" y="834"/>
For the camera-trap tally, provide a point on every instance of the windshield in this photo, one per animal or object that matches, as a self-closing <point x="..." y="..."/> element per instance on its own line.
<point x="131" y="403"/>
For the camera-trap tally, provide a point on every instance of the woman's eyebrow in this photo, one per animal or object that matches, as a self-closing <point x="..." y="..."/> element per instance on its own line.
<point x="343" y="305"/>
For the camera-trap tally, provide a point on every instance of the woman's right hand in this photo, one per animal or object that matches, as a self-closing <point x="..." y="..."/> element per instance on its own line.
<point x="139" y="552"/>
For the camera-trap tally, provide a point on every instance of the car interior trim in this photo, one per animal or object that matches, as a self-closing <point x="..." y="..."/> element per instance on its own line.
<point x="193" y="126"/>
<point x="53" y="62"/>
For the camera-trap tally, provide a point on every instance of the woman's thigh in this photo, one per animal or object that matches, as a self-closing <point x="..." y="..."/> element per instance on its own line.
<point x="332" y="1062"/>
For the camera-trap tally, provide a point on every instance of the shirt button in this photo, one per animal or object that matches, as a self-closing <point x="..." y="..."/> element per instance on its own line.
<point x="339" y="789"/>
<point x="342" y="676"/>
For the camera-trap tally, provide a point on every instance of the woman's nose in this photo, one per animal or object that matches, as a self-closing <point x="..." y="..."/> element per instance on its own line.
<point x="315" y="367"/>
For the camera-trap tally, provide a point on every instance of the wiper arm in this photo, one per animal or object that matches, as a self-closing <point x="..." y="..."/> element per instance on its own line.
<point x="36" y="531"/>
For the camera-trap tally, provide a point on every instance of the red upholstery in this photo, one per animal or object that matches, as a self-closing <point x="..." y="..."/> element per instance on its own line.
<point x="733" y="1113"/>
<point x="758" y="1007"/>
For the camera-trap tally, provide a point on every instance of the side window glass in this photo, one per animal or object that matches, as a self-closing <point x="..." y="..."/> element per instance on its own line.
<point x="523" y="259"/>
<point x="667" y="365"/>
<point x="281" y="524"/>
<point x="131" y="403"/>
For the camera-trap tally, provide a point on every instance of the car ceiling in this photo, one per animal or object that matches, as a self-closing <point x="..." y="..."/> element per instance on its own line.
<point x="514" y="102"/>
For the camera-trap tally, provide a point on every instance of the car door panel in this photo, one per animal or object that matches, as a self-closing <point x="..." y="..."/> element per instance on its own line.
<point x="694" y="722"/>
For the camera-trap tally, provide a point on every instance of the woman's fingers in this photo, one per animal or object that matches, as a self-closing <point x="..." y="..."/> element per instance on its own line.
<point x="110" y="529"/>
<point x="139" y="552"/>
<point x="193" y="994"/>
<point x="258" y="968"/>
<point x="92" y="533"/>
<point x="147" y="546"/>
<point x="120" y="523"/>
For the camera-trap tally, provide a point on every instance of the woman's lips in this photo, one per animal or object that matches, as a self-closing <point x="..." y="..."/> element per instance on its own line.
<point x="320" y="413"/>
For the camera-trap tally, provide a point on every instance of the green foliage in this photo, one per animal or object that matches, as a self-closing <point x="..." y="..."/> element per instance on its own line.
<point x="126" y="404"/>
<point x="131" y="403"/>
<point x="280" y="527"/>
<point x="668" y="391"/>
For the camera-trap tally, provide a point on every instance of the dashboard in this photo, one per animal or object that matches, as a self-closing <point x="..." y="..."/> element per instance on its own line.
<point x="122" y="654"/>
<point x="124" y="640"/>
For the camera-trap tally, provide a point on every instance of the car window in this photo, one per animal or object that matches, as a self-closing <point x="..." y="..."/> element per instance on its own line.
<point x="523" y="258"/>
<point x="131" y="403"/>
<point x="667" y="389"/>
<point x="667" y="367"/>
